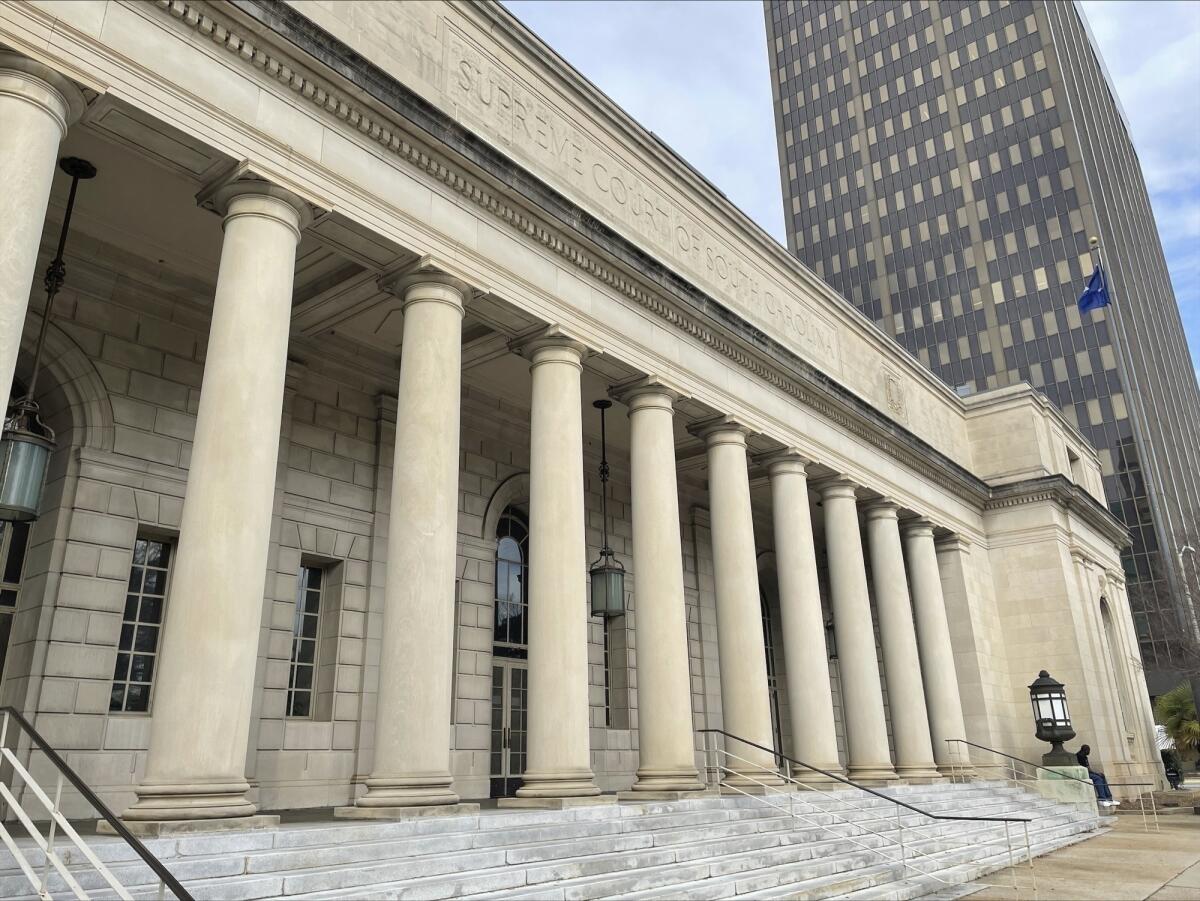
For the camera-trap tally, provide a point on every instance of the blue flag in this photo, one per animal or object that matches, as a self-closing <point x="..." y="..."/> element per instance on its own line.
<point x="1096" y="293"/>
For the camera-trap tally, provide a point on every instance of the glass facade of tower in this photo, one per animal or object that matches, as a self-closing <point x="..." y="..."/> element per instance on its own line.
<point x="941" y="170"/>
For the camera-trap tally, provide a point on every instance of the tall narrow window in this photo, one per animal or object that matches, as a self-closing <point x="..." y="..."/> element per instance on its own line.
<point x="511" y="627"/>
<point x="137" y="650"/>
<point x="304" y="641"/>
<point x="772" y="681"/>
<point x="14" y="536"/>
<point x="608" y="694"/>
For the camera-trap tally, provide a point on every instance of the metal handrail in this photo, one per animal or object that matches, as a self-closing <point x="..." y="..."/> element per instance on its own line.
<point x="1060" y="775"/>
<point x="898" y="842"/>
<point x="1039" y="766"/>
<point x="100" y="807"/>
<point x="852" y="784"/>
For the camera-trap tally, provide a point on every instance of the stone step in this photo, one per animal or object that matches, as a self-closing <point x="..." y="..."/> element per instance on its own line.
<point x="701" y="847"/>
<point x="536" y="843"/>
<point x="290" y="853"/>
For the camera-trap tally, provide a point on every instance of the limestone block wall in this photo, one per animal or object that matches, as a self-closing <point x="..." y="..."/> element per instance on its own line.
<point x="331" y="511"/>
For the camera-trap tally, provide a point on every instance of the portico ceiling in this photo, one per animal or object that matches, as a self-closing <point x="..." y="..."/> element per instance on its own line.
<point x="139" y="220"/>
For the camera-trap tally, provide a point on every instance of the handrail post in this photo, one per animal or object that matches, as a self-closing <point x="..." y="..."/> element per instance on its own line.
<point x="1029" y="857"/>
<point x="51" y="833"/>
<point x="1012" y="867"/>
<point x="900" y="827"/>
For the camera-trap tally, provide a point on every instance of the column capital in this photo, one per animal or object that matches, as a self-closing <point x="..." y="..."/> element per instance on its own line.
<point x="882" y="508"/>
<point x="952" y="543"/>
<point x="837" y="486"/>
<point x="242" y="193"/>
<point x="1116" y="576"/>
<point x="646" y="392"/>
<point x="917" y="528"/>
<point x="789" y="460"/>
<point x="721" y="430"/>
<point x="28" y="80"/>
<point x="552" y="344"/>
<point x="425" y="281"/>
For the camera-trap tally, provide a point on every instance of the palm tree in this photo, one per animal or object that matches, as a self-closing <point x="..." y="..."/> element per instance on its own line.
<point x="1177" y="711"/>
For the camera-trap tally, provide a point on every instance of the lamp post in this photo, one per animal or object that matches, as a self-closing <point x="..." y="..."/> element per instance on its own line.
<point x="607" y="574"/>
<point x="1053" y="718"/>
<point x="27" y="442"/>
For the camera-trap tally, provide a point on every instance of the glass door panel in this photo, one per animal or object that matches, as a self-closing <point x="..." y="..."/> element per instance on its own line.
<point x="509" y="692"/>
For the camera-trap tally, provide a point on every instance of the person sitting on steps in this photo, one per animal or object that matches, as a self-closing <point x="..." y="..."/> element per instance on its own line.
<point x="1098" y="780"/>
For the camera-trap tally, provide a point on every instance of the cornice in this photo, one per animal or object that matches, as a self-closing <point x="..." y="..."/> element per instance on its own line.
<point x="673" y="299"/>
<point x="1060" y="490"/>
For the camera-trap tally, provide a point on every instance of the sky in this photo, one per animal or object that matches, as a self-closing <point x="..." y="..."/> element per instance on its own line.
<point x="695" y="73"/>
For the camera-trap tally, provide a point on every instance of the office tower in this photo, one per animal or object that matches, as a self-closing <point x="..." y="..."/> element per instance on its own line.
<point x="944" y="166"/>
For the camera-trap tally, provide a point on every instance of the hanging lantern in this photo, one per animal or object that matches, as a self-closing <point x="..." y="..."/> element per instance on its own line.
<point x="24" y="459"/>
<point x="607" y="574"/>
<point x="1053" y="718"/>
<point x="27" y="442"/>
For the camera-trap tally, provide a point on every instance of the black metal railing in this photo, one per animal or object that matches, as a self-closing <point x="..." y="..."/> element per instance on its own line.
<point x="102" y="809"/>
<point x="842" y="779"/>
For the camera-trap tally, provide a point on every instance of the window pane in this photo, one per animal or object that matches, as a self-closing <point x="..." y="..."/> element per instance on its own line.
<point x="151" y="610"/>
<point x="137" y="698"/>
<point x="146" y="639"/>
<point x="142" y="668"/>
<point x="305" y="628"/>
<point x="134" y="673"/>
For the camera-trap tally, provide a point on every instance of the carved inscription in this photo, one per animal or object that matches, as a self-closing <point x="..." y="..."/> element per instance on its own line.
<point x="488" y="95"/>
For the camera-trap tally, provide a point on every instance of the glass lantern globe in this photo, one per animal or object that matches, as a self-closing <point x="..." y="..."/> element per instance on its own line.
<point x="25" y="449"/>
<point x="1052" y="717"/>
<point x="608" y="587"/>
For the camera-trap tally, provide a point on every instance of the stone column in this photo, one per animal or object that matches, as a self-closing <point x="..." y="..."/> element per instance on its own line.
<point x="862" y="694"/>
<point x="810" y="698"/>
<point x="901" y="663"/>
<point x="559" y="738"/>
<point x="36" y="107"/>
<point x="205" y="684"/>
<point x="412" y="724"/>
<point x="667" y="749"/>
<point x="933" y="639"/>
<point x="745" y="696"/>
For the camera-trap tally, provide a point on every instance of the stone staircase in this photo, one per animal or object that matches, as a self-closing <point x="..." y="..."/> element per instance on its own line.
<point x="839" y="845"/>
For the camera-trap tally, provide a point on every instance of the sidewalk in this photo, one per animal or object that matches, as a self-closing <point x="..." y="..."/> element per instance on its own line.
<point x="1125" y="864"/>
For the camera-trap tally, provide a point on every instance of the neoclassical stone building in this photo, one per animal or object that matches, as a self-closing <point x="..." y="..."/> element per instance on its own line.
<point x="318" y="525"/>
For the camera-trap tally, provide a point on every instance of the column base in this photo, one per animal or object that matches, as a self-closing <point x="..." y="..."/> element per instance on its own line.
<point x="681" y="780"/>
<point x="415" y="811"/>
<point x="408" y="791"/>
<point x="918" y="774"/>
<point x="167" y="802"/>
<point x="750" y="781"/>
<point x="955" y="771"/>
<point x="163" y="828"/>
<point x="558" y="785"/>
<point x="641" y="796"/>
<point x="563" y="803"/>
<point x="882" y="773"/>
<point x="819" y="780"/>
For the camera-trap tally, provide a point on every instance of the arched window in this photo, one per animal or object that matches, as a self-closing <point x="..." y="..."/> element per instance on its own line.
<point x="1116" y="661"/>
<point x="511" y="625"/>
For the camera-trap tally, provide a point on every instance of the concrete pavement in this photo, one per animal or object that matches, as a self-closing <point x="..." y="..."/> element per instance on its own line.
<point x="1125" y="864"/>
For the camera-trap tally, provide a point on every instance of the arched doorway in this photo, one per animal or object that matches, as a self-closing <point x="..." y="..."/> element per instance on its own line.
<point x="510" y="652"/>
